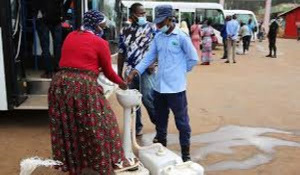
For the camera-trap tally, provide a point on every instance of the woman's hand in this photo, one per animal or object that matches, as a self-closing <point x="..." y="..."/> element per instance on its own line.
<point x="123" y="86"/>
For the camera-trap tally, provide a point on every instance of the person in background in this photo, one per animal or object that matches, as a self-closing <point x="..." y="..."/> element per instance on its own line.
<point x="246" y="37"/>
<point x="232" y="29"/>
<point x="272" y="35"/>
<point x="49" y="15"/>
<point x="84" y="129"/>
<point x="252" y="28"/>
<point x="184" y="27"/>
<point x="207" y="34"/>
<point x="261" y="31"/>
<point x="298" y="30"/>
<point x="176" y="56"/>
<point x="196" y="36"/>
<point x="134" y="43"/>
<point x="224" y="37"/>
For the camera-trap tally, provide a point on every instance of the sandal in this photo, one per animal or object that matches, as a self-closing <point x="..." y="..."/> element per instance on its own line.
<point x="130" y="164"/>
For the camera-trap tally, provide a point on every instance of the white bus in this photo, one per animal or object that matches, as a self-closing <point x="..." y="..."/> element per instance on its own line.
<point x="21" y="65"/>
<point x="244" y="16"/>
<point x="186" y="11"/>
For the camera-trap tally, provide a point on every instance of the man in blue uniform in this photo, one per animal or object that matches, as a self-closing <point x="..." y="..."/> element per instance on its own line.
<point x="176" y="56"/>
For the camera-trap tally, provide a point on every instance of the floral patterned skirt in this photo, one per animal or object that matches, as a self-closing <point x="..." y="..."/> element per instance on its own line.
<point x="83" y="127"/>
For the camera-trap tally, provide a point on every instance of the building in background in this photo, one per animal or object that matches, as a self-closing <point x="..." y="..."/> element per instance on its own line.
<point x="290" y="19"/>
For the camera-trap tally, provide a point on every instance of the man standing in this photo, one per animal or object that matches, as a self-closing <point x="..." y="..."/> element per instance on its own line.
<point x="272" y="34"/>
<point x="134" y="43"/>
<point x="298" y="30"/>
<point x="232" y="29"/>
<point x="224" y="37"/>
<point x="176" y="56"/>
<point x="49" y="15"/>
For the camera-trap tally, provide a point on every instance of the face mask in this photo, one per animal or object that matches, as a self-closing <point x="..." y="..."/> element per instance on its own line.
<point x="164" y="29"/>
<point x="141" y="21"/>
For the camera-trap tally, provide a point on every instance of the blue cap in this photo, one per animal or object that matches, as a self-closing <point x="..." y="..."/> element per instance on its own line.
<point x="162" y="12"/>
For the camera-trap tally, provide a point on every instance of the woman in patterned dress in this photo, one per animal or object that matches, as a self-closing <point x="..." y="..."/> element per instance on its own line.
<point x="83" y="127"/>
<point x="207" y="33"/>
<point x="196" y="36"/>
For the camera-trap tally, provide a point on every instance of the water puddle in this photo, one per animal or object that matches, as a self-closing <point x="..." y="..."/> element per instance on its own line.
<point x="223" y="141"/>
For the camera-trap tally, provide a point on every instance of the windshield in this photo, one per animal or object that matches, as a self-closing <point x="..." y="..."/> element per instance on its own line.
<point x="244" y="18"/>
<point x="215" y="15"/>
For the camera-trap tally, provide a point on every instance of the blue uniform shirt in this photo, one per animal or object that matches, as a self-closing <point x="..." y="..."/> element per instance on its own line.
<point x="176" y="56"/>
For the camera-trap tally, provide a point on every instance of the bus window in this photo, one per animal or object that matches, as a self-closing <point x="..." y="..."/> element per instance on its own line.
<point x="200" y="14"/>
<point x="108" y="8"/>
<point x="187" y="17"/>
<point x="243" y="18"/>
<point x="149" y="15"/>
<point x="216" y="16"/>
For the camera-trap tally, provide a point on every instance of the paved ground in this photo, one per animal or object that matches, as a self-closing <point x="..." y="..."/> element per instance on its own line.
<point x="245" y="117"/>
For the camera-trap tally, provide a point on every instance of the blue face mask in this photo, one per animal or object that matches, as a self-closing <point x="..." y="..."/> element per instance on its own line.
<point x="164" y="29"/>
<point x="141" y="21"/>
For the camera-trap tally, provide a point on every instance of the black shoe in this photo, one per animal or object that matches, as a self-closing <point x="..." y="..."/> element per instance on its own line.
<point x="163" y="142"/>
<point x="227" y="61"/>
<point x="224" y="58"/>
<point x="155" y="139"/>
<point x="234" y="62"/>
<point x="185" y="153"/>
<point x="269" y="55"/>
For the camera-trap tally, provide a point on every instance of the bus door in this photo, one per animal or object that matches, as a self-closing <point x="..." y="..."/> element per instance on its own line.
<point x="24" y="65"/>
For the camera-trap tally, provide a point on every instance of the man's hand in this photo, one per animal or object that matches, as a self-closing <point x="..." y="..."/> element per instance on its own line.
<point x="123" y="86"/>
<point x="151" y="69"/>
<point x="130" y="77"/>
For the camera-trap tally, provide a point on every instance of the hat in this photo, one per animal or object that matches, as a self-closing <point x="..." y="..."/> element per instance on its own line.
<point x="162" y="12"/>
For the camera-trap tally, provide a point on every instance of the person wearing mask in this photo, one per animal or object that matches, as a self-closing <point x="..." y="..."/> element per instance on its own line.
<point x="246" y="37"/>
<point x="232" y="29"/>
<point x="224" y="37"/>
<point x="207" y="34"/>
<point x="184" y="27"/>
<point x="84" y="129"/>
<point x="196" y="36"/>
<point x="134" y="43"/>
<point x="272" y="35"/>
<point x="176" y="56"/>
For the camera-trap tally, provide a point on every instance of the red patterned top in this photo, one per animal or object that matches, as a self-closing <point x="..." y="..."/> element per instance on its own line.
<point x="86" y="51"/>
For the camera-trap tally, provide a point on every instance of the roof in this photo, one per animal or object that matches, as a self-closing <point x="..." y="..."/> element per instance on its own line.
<point x="176" y="5"/>
<point x="289" y="11"/>
<point x="232" y="12"/>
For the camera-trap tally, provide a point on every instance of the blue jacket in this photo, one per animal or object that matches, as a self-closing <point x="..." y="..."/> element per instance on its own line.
<point x="224" y="32"/>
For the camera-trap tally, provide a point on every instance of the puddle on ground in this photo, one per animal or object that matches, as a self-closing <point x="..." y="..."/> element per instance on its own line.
<point x="225" y="139"/>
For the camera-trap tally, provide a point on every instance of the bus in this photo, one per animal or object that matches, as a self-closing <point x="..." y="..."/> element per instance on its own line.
<point x="187" y="11"/>
<point x="21" y="65"/>
<point x="244" y="16"/>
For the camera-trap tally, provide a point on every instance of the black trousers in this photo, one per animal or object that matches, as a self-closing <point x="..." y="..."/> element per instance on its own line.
<point x="225" y="48"/>
<point x="272" y="45"/>
<point x="246" y="42"/>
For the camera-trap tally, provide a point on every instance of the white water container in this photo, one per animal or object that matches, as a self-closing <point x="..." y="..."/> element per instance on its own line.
<point x="157" y="158"/>
<point x="186" y="168"/>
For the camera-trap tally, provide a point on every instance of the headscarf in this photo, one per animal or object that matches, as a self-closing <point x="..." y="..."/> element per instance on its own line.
<point x="91" y="21"/>
<point x="184" y="27"/>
